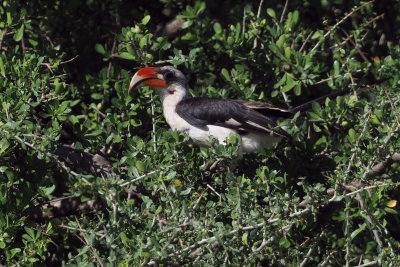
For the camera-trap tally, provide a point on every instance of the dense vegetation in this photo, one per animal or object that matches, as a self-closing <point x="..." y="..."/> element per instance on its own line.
<point x="92" y="176"/>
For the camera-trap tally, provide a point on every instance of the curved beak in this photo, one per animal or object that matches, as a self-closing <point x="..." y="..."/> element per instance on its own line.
<point x="146" y="76"/>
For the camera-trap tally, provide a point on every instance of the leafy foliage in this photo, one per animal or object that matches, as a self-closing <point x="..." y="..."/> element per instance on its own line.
<point x="91" y="175"/>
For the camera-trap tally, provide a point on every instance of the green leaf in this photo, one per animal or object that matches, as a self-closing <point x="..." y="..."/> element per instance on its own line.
<point x="280" y="41"/>
<point x="100" y="49"/>
<point x="391" y="211"/>
<point x="287" y="52"/>
<point x="2" y="70"/>
<point x="316" y="35"/>
<point x="283" y="242"/>
<point x="9" y="18"/>
<point x="97" y="96"/>
<point x="217" y="28"/>
<point x="295" y="16"/>
<point x="4" y="144"/>
<point x="316" y="107"/>
<point x="124" y="238"/>
<point x="126" y="55"/>
<point x="297" y="89"/>
<point x="289" y="85"/>
<point x="186" y="191"/>
<point x="200" y="8"/>
<point x="142" y="42"/>
<point x="352" y="134"/>
<point x="146" y="20"/>
<point x="271" y="12"/>
<point x="226" y="75"/>
<point x="140" y="165"/>
<point x="357" y="231"/>
<point x="244" y="238"/>
<point x="19" y="34"/>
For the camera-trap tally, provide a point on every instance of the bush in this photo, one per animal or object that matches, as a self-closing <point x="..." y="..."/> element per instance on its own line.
<point x="91" y="175"/>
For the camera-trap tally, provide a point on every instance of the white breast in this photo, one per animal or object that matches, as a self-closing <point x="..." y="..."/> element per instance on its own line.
<point x="250" y="142"/>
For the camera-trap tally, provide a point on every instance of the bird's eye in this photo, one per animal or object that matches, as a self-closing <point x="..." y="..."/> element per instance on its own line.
<point x="168" y="75"/>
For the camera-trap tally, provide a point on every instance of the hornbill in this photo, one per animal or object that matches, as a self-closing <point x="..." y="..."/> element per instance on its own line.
<point x="203" y="118"/>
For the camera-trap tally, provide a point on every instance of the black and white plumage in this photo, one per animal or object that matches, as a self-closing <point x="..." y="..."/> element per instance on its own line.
<point x="203" y="118"/>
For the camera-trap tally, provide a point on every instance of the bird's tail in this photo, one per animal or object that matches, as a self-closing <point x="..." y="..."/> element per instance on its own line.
<point x="308" y="104"/>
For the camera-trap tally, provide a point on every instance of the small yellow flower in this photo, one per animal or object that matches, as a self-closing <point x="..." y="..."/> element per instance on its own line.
<point x="178" y="182"/>
<point x="377" y="60"/>
<point x="392" y="203"/>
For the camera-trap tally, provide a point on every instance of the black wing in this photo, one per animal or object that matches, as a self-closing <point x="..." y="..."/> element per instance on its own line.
<point x="240" y="115"/>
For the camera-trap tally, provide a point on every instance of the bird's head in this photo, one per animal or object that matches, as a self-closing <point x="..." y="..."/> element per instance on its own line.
<point x="166" y="80"/>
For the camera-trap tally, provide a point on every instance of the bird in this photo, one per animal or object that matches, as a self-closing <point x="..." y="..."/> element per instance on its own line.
<point x="256" y="123"/>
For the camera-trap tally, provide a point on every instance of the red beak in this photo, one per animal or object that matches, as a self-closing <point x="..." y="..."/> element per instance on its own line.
<point x="146" y="76"/>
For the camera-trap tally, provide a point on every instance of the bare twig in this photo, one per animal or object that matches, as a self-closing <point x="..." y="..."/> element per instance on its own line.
<point x="341" y="21"/>
<point x="337" y="76"/>
<point x="69" y="60"/>
<point x="23" y="45"/>
<point x="80" y="230"/>
<point x="61" y="164"/>
<point x="310" y="251"/>
<point x="48" y="65"/>
<point x="2" y="37"/>
<point x="96" y="164"/>
<point x="305" y="42"/>
<point x="45" y="35"/>
<point x="327" y="258"/>
<point x="98" y="111"/>
<point x="112" y="52"/>
<point x="258" y="16"/>
<point x="370" y="220"/>
<point x="151" y="173"/>
<point x="213" y="238"/>
<point x="153" y="122"/>
<point x="244" y="21"/>
<point x="371" y="263"/>
<point x="61" y="207"/>
<point x="89" y="244"/>
<point x="284" y="11"/>
<point x="259" y="8"/>
<point x="381" y="166"/>
<point x="198" y="200"/>
<point x="212" y="189"/>
<point x="161" y="62"/>
<point x="356" y="47"/>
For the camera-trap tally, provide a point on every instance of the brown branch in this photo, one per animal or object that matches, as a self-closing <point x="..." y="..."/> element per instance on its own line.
<point x="96" y="164"/>
<point x="382" y="166"/>
<point x="64" y="206"/>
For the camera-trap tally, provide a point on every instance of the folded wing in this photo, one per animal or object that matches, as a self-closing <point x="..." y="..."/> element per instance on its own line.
<point x="241" y="115"/>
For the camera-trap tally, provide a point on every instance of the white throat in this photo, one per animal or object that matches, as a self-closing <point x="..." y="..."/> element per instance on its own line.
<point x="170" y="97"/>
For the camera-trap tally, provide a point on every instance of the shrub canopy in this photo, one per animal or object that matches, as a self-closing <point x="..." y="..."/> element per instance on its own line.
<point x="93" y="176"/>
